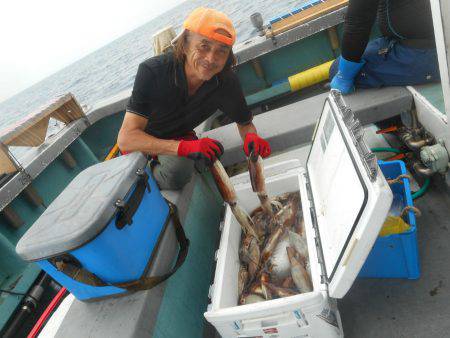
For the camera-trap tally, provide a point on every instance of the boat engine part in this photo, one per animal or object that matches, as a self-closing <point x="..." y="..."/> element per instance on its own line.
<point x="435" y="157"/>
<point x="422" y="170"/>
<point x="413" y="143"/>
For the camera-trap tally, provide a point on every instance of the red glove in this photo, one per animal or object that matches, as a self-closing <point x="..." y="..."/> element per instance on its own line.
<point x="205" y="149"/>
<point x="257" y="144"/>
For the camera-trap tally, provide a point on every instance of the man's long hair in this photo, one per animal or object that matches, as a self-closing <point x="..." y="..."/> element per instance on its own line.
<point x="180" y="49"/>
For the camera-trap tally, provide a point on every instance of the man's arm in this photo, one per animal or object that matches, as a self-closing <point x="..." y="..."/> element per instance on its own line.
<point x="132" y="137"/>
<point x="246" y="128"/>
<point x="361" y="15"/>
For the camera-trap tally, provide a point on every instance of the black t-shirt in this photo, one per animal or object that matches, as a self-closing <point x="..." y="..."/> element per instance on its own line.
<point x="160" y="93"/>
<point x="398" y="19"/>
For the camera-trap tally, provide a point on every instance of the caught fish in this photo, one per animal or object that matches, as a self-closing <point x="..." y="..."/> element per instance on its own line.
<point x="277" y="204"/>
<point x="284" y="198"/>
<point x="272" y="266"/>
<point x="256" y="171"/>
<point x="250" y="299"/>
<point x="280" y="291"/>
<point x="288" y="214"/>
<point x="308" y="267"/>
<point x="242" y="279"/>
<point x="272" y="242"/>
<point x="261" y="221"/>
<point x="280" y="260"/>
<point x="228" y="194"/>
<point x="298" y="272"/>
<point x="288" y="283"/>
<point x="223" y="183"/>
<point x="299" y="226"/>
<point x="250" y="254"/>
<point x="260" y="289"/>
<point x="256" y="289"/>
<point x="265" y="290"/>
<point x="299" y="244"/>
<point x="244" y="220"/>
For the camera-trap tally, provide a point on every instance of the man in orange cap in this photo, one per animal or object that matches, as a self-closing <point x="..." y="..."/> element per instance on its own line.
<point x="175" y="92"/>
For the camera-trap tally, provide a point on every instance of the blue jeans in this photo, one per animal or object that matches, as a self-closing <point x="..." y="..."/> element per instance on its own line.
<point x="389" y="63"/>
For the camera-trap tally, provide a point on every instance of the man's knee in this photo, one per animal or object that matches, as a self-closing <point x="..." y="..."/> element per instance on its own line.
<point x="173" y="173"/>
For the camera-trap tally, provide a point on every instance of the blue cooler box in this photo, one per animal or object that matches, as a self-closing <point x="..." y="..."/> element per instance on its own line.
<point x="99" y="235"/>
<point x="396" y="255"/>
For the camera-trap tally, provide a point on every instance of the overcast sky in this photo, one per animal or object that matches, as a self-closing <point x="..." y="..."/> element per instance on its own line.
<point x="39" y="37"/>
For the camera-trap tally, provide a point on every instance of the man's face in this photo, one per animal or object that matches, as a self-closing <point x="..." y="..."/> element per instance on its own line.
<point x="205" y="57"/>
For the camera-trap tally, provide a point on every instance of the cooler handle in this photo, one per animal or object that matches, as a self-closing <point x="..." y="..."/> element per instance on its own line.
<point x="126" y="210"/>
<point x="271" y="324"/>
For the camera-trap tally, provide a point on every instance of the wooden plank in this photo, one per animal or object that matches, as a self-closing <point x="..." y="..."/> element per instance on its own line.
<point x="30" y="130"/>
<point x="305" y="16"/>
<point x="68" y="112"/>
<point x="33" y="136"/>
<point x="7" y="165"/>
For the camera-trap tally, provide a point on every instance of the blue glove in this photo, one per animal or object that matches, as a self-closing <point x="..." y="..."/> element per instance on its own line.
<point x="343" y="80"/>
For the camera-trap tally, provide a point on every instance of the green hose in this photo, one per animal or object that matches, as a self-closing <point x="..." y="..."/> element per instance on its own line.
<point x="386" y="150"/>
<point x="419" y="192"/>
<point x="422" y="190"/>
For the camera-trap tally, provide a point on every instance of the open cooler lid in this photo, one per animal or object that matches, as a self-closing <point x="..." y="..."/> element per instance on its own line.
<point x="83" y="209"/>
<point x="349" y="194"/>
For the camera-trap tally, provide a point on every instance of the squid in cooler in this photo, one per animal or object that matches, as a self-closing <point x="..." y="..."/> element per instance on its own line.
<point x="228" y="193"/>
<point x="258" y="181"/>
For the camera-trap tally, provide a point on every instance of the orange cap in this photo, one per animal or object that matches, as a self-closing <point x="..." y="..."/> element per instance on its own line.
<point x="206" y="22"/>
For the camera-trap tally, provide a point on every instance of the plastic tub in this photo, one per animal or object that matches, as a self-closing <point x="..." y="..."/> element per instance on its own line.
<point x="395" y="256"/>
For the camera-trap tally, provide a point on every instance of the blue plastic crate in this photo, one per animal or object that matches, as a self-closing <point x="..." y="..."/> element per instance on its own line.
<point x="395" y="256"/>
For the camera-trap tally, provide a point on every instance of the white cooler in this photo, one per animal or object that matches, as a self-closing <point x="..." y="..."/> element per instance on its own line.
<point x="345" y="200"/>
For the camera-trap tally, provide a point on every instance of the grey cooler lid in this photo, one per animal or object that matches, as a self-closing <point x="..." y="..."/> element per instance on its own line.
<point x="82" y="210"/>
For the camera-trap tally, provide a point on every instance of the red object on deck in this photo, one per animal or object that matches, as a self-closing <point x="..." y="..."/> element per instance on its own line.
<point x="41" y="321"/>
<point x="387" y="130"/>
<point x="397" y="157"/>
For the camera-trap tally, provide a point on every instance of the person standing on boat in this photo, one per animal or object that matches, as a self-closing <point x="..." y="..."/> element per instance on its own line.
<point x="173" y="93"/>
<point x="404" y="55"/>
